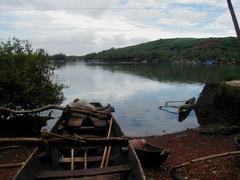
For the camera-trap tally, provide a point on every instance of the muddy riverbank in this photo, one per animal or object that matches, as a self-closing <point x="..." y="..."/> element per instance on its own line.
<point x="190" y="144"/>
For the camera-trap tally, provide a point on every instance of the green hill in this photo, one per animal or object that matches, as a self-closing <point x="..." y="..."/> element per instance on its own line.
<point x="217" y="50"/>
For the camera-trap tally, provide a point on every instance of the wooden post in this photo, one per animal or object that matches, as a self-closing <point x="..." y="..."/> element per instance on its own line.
<point x="72" y="159"/>
<point x="234" y="18"/>
<point x="108" y="155"/>
<point x="106" y="147"/>
<point x="85" y="159"/>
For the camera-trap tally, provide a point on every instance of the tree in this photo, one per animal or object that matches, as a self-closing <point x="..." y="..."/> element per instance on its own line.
<point x="26" y="76"/>
<point x="58" y="57"/>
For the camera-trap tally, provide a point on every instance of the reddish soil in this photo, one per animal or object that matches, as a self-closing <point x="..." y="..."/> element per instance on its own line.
<point x="206" y="44"/>
<point x="190" y="144"/>
<point x="11" y="156"/>
<point x="183" y="146"/>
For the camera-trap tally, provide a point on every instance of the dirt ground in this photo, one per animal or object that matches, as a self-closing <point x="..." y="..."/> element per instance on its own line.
<point x="183" y="146"/>
<point x="11" y="156"/>
<point x="191" y="144"/>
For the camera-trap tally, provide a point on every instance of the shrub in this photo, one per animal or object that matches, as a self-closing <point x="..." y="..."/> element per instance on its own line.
<point x="26" y="76"/>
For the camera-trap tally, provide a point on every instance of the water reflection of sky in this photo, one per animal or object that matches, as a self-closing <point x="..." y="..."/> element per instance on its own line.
<point x="136" y="99"/>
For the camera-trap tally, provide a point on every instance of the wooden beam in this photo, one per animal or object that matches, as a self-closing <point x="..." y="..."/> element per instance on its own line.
<point x="85" y="128"/>
<point x="108" y="155"/>
<point x="206" y="158"/>
<point x="81" y="159"/>
<point x="83" y="172"/>
<point x="63" y="137"/>
<point x="22" y="141"/>
<point x="9" y="165"/>
<point x="85" y="159"/>
<point x="234" y="18"/>
<point x="72" y="159"/>
<point x="54" y="106"/>
<point x="106" y="148"/>
<point x="84" y="110"/>
<point x="64" y="141"/>
<point x="44" y="108"/>
<point x="101" y="177"/>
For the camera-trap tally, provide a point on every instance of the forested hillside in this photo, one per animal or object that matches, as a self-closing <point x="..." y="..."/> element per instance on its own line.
<point x="215" y="50"/>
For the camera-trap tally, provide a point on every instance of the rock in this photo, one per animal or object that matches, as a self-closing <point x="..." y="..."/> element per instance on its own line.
<point x="235" y="83"/>
<point x="215" y="129"/>
<point x="219" y="103"/>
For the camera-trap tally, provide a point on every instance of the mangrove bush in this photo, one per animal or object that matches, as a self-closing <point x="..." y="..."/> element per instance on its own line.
<point x="26" y="76"/>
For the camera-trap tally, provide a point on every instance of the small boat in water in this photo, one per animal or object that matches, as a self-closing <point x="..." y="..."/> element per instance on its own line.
<point x="148" y="154"/>
<point x="89" y="148"/>
<point x="185" y="109"/>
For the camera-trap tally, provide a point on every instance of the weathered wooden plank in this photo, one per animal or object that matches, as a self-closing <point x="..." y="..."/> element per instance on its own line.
<point x="54" y="106"/>
<point x="22" y="141"/>
<point x="83" y="172"/>
<point x="64" y="141"/>
<point x="44" y="108"/>
<point x="9" y="165"/>
<point x="82" y="147"/>
<point x="81" y="159"/>
<point x="90" y="111"/>
<point x="99" y="123"/>
<point x="74" y="122"/>
<point x="89" y="129"/>
<point x="101" y="177"/>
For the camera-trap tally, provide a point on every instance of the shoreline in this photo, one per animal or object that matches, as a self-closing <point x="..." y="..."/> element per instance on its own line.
<point x="191" y="144"/>
<point x="183" y="146"/>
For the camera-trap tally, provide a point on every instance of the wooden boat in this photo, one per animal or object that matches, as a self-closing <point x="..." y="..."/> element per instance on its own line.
<point x="91" y="155"/>
<point x="148" y="154"/>
<point x="185" y="109"/>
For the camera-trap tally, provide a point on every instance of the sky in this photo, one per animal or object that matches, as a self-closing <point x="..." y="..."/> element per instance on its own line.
<point x="78" y="27"/>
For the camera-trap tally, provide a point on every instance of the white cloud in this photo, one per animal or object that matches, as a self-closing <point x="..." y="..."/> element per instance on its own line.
<point x="183" y="17"/>
<point x="83" y="26"/>
<point x="220" y="23"/>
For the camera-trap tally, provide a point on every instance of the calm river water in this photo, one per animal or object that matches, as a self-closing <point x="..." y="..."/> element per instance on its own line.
<point x="137" y="90"/>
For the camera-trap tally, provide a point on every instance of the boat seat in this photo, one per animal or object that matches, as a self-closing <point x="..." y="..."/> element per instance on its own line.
<point x="85" y="129"/>
<point x="82" y="172"/>
<point x="82" y="147"/>
<point x="91" y="136"/>
<point x="101" y="177"/>
<point x="99" y="123"/>
<point x="81" y="159"/>
<point x="74" y="122"/>
<point x="79" y="122"/>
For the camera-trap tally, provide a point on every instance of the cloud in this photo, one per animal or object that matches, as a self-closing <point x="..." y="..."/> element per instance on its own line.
<point x="82" y="26"/>
<point x="183" y="17"/>
<point x="220" y="23"/>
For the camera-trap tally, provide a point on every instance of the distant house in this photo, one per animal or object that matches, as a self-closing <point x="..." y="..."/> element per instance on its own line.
<point x="210" y="62"/>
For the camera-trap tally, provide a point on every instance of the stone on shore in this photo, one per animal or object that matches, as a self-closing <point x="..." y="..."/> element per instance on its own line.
<point x="219" y="104"/>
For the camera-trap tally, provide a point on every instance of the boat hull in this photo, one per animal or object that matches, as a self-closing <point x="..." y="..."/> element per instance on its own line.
<point x="151" y="156"/>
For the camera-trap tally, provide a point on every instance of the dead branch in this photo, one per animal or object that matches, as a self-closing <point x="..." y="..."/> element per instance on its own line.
<point x="68" y="141"/>
<point x="44" y="108"/>
<point x="206" y="158"/>
<point x="9" y="165"/>
<point x="23" y="141"/>
<point x="54" y="106"/>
